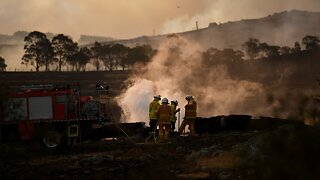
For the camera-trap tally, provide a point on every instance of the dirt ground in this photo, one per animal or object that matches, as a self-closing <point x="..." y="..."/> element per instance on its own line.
<point x="120" y="158"/>
<point x="290" y="151"/>
<point x="287" y="152"/>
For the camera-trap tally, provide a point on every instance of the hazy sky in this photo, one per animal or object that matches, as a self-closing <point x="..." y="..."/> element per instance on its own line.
<point x="131" y="18"/>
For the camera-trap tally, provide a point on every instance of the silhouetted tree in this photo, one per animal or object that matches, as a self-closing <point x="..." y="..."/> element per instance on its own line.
<point x="140" y="54"/>
<point x="84" y="58"/>
<point x="311" y="42"/>
<point x="285" y="50"/>
<point x="213" y="56"/>
<point x="96" y="53"/>
<point x="38" y="50"/>
<point x="110" y="55"/>
<point x="114" y="55"/>
<point x="48" y="53"/>
<point x="251" y="48"/>
<point x="80" y="59"/>
<point x="63" y="47"/>
<point x="71" y="58"/>
<point x="121" y="52"/>
<point x="297" y="47"/>
<point x="230" y="55"/>
<point x="2" y="64"/>
<point x="267" y="51"/>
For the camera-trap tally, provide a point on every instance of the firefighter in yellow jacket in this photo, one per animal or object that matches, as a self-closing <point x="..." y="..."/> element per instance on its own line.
<point x="174" y="111"/>
<point x="152" y="112"/>
<point x="164" y="113"/>
<point x="190" y="115"/>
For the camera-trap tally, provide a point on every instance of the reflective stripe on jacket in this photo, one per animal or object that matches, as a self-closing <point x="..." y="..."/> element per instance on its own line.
<point x="153" y="108"/>
<point x="163" y="114"/>
<point x="191" y="110"/>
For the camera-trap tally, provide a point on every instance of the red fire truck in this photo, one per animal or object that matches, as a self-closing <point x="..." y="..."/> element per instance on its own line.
<point x="56" y="116"/>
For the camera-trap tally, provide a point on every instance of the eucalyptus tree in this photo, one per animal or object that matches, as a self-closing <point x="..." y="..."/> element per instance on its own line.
<point x="80" y="59"/>
<point x="114" y="55"/>
<point x="63" y="47"/>
<point x="96" y="54"/>
<point x="38" y="50"/>
<point x="142" y="54"/>
<point x="311" y="42"/>
<point x="2" y="64"/>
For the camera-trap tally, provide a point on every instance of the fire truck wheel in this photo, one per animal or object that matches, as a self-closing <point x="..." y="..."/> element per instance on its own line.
<point x="52" y="139"/>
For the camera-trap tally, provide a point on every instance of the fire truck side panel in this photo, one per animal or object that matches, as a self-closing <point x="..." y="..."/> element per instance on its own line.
<point x="40" y="107"/>
<point x="59" y="107"/>
<point x="52" y="116"/>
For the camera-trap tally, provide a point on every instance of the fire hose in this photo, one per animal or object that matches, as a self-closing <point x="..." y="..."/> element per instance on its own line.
<point x="126" y="135"/>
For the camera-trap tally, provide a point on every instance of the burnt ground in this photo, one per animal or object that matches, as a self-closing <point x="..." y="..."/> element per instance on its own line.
<point x="182" y="158"/>
<point x="263" y="149"/>
<point x="288" y="151"/>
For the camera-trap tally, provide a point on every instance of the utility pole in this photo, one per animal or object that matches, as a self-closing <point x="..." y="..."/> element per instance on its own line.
<point x="197" y="28"/>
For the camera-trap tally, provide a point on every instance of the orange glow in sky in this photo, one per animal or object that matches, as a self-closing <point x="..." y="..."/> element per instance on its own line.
<point x="132" y="18"/>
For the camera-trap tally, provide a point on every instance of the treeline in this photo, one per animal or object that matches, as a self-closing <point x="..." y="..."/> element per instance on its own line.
<point x="262" y="62"/>
<point x="18" y="37"/>
<point x="256" y="50"/>
<point x="62" y="53"/>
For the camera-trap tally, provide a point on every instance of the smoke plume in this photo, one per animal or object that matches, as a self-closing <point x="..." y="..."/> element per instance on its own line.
<point x="177" y="70"/>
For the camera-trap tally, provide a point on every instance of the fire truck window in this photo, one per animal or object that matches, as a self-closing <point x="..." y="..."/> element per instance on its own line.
<point x="60" y="99"/>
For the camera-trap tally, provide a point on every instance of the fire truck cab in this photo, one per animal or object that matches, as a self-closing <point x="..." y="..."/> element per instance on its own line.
<point x="56" y="116"/>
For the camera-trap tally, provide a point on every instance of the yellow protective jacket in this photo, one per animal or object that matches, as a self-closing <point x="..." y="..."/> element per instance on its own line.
<point x="191" y="110"/>
<point x="173" y="117"/>
<point x="164" y="114"/>
<point x="153" y="108"/>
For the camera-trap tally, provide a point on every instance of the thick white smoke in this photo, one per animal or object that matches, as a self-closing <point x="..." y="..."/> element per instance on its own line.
<point x="135" y="100"/>
<point x="177" y="70"/>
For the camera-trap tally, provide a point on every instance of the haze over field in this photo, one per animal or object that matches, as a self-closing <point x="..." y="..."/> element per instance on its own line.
<point x="128" y="19"/>
<point x="273" y="22"/>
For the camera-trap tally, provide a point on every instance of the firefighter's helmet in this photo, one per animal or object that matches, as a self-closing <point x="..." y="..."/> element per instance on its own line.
<point x="175" y="102"/>
<point x="189" y="97"/>
<point x="157" y="97"/>
<point x="165" y="101"/>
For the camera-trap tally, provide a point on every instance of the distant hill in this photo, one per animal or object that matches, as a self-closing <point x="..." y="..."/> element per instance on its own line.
<point x="18" y="38"/>
<point x="87" y="39"/>
<point x="282" y="29"/>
